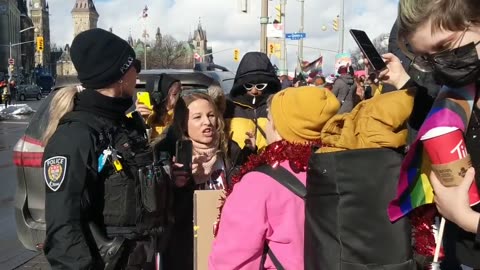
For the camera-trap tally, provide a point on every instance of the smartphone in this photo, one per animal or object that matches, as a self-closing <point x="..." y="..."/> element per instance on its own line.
<point x="367" y="48"/>
<point x="143" y="97"/>
<point x="183" y="154"/>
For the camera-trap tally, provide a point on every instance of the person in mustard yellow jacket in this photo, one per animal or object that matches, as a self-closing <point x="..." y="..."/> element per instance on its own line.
<point x="161" y="116"/>
<point x="246" y="112"/>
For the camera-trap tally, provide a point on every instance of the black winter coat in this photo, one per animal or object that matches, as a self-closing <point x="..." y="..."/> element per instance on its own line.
<point x="73" y="184"/>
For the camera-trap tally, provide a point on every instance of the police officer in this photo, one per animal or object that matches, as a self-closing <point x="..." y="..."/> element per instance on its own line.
<point x="100" y="213"/>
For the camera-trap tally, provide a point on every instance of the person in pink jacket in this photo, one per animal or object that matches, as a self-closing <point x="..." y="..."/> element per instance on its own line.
<point x="260" y="211"/>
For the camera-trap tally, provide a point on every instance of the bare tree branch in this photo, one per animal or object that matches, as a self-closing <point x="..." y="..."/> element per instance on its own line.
<point x="167" y="53"/>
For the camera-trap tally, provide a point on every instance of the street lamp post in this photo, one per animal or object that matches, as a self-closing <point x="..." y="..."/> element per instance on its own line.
<point x="283" y="8"/>
<point x="263" y="26"/>
<point x="10" y="46"/>
<point x="145" y="54"/>
<point x="342" y="26"/>
<point x="302" y="19"/>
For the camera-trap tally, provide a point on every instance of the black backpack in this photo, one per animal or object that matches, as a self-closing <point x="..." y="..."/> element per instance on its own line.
<point x="346" y="221"/>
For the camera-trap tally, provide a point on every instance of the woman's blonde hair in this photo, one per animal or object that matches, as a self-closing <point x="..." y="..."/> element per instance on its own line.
<point x="61" y="104"/>
<point x="452" y="15"/>
<point x="181" y="116"/>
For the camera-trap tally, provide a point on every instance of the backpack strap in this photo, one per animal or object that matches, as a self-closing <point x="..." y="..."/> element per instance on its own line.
<point x="286" y="178"/>
<point x="275" y="261"/>
<point x="291" y="182"/>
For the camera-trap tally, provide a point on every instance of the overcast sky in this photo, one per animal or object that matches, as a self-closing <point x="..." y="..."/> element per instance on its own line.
<point x="228" y="28"/>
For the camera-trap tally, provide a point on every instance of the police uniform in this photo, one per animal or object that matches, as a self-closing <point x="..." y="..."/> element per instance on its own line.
<point x="101" y="209"/>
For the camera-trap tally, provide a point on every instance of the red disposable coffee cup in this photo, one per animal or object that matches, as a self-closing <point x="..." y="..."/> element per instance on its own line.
<point x="446" y="148"/>
<point x="449" y="147"/>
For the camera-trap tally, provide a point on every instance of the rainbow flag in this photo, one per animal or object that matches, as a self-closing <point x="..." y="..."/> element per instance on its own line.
<point x="452" y="108"/>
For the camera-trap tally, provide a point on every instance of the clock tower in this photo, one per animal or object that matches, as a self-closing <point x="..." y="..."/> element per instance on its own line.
<point x="41" y="22"/>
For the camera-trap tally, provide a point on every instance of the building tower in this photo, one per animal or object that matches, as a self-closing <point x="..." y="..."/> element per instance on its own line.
<point x="85" y="16"/>
<point x="200" y="43"/>
<point x="41" y="22"/>
<point x="158" y="37"/>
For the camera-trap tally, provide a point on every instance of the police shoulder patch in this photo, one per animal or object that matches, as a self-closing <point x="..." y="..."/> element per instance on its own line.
<point x="54" y="171"/>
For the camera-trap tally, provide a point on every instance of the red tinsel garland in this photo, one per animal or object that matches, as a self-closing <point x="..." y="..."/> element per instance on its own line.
<point x="276" y="153"/>
<point x="424" y="243"/>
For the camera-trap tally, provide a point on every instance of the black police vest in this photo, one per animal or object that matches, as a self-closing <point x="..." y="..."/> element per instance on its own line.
<point x="137" y="198"/>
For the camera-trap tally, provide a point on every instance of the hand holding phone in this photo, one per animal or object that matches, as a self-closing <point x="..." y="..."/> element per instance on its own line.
<point x="367" y="48"/>
<point x="143" y="97"/>
<point x="183" y="154"/>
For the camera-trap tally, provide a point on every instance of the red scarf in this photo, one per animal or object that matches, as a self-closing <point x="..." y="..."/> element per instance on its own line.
<point x="297" y="156"/>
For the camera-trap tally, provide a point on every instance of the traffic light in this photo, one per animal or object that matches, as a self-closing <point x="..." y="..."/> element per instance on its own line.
<point x="11" y="68"/>
<point x="278" y="14"/>
<point x="336" y="22"/>
<point x="40" y="44"/>
<point x="236" y="55"/>
<point x="271" y="48"/>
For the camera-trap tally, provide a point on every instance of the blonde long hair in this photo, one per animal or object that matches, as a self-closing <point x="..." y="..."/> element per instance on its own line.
<point x="61" y="104"/>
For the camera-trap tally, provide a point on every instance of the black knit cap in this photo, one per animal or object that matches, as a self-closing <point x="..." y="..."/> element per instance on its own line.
<point x="101" y="58"/>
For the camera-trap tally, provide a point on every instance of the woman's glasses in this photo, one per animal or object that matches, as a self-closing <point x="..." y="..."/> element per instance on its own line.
<point x="426" y="63"/>
<point x="258" y="86"/>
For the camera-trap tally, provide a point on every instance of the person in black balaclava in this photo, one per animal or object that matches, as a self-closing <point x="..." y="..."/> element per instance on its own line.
<point x="246" y="114"/>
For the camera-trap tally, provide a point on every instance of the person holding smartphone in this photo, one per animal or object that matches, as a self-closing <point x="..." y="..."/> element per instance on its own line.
<point x="204" y="159"/>
<point x="160" y="116"/>
<point x="444" y="36"/>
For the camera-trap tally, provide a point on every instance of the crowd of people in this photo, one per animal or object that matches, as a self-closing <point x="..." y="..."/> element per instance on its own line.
<point x="119" y="195"/>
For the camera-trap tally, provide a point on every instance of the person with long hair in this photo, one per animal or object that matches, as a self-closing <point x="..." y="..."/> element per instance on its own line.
<point x="214" y="159"/>
<point x="160" y="116"/>
<point x="259" y="211"/>
<point x="92" y="155"/>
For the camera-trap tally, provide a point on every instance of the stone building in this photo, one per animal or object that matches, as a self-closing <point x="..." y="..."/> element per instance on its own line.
<point x="85" y="17"/>
<point x="199" y="45"/>
<point x="9" y="33"/>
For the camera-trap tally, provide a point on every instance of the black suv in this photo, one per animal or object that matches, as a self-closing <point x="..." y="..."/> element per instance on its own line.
<point x="28" y="153"/>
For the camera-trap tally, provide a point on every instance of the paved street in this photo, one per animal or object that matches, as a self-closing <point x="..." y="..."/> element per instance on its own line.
<point x="12" y="254"/>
